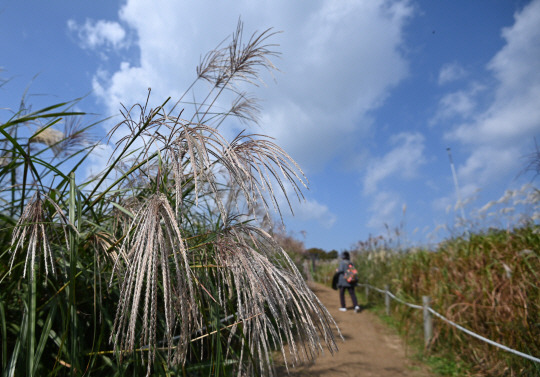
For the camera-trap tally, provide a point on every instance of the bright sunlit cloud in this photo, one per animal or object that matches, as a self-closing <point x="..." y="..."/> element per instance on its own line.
<point x="98" y="34"/>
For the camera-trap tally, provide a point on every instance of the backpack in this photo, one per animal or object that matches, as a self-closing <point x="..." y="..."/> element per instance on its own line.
<point x="351" y="275"/>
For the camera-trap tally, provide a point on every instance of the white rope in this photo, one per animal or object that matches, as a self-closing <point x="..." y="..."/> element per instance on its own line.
<point x="482" y="338"/>
<point x="535" y="359"/>
<point x="372" y="287"/>
<point x="405" y="303"/>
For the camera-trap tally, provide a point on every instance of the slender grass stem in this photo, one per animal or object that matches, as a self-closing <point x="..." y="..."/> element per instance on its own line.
<point x="31" y="326"/>
<point x="73" y="260"/>
<point x="4" y="334"/>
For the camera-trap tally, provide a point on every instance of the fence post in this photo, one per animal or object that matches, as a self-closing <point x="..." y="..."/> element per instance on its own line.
<point x="386" y="299"/>
<point x="367" y="292"/>
<point x="428" y="323"/>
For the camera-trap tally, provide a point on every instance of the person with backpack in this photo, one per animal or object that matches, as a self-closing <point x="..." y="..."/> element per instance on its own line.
<point x="347" y="278"/>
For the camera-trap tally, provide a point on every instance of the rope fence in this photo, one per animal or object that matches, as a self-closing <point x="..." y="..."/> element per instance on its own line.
<point x="428" y="324"/>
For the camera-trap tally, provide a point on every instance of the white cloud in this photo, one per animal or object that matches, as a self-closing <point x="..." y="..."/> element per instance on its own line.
<point x="402" y="161"/>
<point x="487" y="163"/>
<point x="383" y="209"/>
<point x="451" y="72"/>
<point x="502" y="134"/>
<point x="311" y="210"/>
<point x="98" y="34"/>
<point x="304" y="209"/>
<point x="461" y="104"/>
<point x="340" y="60"/>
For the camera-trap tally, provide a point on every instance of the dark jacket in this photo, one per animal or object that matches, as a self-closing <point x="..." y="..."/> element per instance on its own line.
<point x="343" y="265"/>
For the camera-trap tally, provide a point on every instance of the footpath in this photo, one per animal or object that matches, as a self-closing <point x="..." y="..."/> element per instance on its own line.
<point x="369" y="349"/>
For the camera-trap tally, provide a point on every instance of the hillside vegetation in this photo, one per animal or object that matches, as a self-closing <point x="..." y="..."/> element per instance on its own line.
<point x="487" y="282"/>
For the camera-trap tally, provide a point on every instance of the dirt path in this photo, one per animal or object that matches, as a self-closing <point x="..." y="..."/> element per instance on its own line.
<point x="369" y="349"/>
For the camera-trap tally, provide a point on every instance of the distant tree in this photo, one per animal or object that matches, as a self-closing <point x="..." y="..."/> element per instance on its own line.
<point x="332" y="254"/>
<point x="316" y="253"/>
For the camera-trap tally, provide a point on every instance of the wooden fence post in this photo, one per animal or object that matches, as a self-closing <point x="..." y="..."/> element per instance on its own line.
<point x="367" y="292"/>
<point x="386" y="299"/>
<point x="428" y="323"/>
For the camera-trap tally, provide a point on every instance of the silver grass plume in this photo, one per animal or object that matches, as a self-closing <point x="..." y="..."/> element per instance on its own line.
<point x="252" y="162"/>
<point x="238" y="61"/>
<point x="50" y="137"/>
<point x="154" y="254"/>
<point x="31" y="231"/>
<point x="73" y="137"/>
<point x="273" y="303"/>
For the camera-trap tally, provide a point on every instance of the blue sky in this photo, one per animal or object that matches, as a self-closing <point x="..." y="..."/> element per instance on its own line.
<point x="369" y="96"/>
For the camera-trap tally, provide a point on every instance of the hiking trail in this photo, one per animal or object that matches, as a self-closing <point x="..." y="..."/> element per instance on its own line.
<point x="369" y="349"/>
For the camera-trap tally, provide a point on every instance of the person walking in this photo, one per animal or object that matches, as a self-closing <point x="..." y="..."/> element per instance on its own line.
<point x="343" y="284"/>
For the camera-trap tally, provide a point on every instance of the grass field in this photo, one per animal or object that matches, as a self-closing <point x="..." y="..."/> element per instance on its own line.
<point x="486" y="282"/>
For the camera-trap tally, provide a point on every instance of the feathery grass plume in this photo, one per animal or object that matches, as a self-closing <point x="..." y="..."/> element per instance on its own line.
<point x="50" y="137"/>
<point x="246" y="108"/>
<point x="255" y="164"/>
<point x="211" y="65"/>
<point x="273" y="302"/>
<point x="154" y="256"/>
<point x="245" y="160"/>
<point x="77" y="135"/>
<point x="245" y="60"/>
<point x="252" y="164"/>
<point x="31" y="231"/>
<point x="238" y="61"/>
<point x="73" y="137"/>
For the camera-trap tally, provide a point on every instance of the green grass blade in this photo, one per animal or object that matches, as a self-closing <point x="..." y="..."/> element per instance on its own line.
<point x="10" y="370"/>
<point x="123" y="209"/>
<point x="40" y="114"/>
<point x="45" y="332"/>
<point x="4" y="334"/>
<point x="20" y="149"/>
